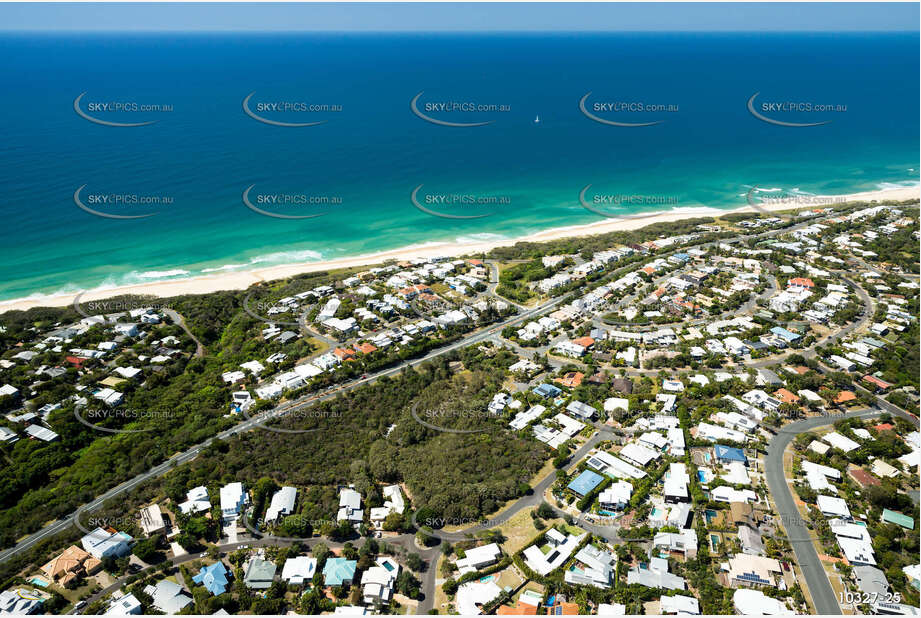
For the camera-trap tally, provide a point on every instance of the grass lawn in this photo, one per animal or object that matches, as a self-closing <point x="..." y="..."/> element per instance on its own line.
<point x="318" y="346"/>
<point x="508" y="577"/>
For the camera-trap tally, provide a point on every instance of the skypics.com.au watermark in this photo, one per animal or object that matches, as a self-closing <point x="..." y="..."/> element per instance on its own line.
<point x="789" y="113"/>
<point x="290" y="205"/>
<point x="301" y="523"/>
<point x="116" y="112"/>
<point x="122" y="304"/>
<point x="271" y="312"/>
<point x="126" y="205"/>
<point x="626" y="112"/>
<point x="458" y="205"/>
<point x="299" y="413"/>
<point x="619" y="205"/>
<point x="765" y="200"/>
<point x="94" y="417"/>
<point x="435" y="418"/>
<point x="461" y="111"/>
<point x="94" y="524"/>
<point x="283" y="112"/>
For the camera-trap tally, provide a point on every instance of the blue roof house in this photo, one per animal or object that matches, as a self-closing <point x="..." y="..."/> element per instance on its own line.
<point x="546" y="390"/>
<point x="213" y="577"/>
<point x="725" y="454"/>
<point x="339" y="571"/>
<point x="585" y="482"/>
<point x="784" y="334"/>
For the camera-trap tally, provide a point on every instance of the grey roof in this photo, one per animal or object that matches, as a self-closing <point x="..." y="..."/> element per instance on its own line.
<point x="871" y="580"/>
<point x="168" y="596"/>
<point x="654" y="579"/>
<point x="259" y="573"/>
<point x="751" y="541"/>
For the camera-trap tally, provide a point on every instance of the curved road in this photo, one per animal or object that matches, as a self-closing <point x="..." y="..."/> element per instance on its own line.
<point x="180" y="321"/>
<point x="823" y="597"/>
<point x="188" y="455"/>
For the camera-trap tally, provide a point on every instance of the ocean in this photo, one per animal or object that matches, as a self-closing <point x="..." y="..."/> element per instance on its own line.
<point x="366" y="150"/>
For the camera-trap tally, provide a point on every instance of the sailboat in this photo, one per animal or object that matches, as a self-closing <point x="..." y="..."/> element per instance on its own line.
<point x="536" y="119"/>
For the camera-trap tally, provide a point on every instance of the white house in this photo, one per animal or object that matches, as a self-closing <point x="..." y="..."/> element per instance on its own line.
<point x="479" y="558"/>
<point x="102" y="544"/>
<point x="282" y="504"/>
<point x="233" y="497"/>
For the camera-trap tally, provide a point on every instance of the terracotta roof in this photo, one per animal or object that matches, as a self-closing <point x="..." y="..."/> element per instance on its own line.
<point x="571" y="379"/>
<point x="876" y="382"/>
<point x="845" y="397"/>
<point x="785" y="396"/>
<point x="585" y="342"/>
<point x="803" y="282"/>
<point x="70" y="560"/>
<point x="884" y="427"/>
<point x="563" y="609"/>
<point x="344" y="353"/>
<point x="522" y="609"/>
<point x="365" y="348"/>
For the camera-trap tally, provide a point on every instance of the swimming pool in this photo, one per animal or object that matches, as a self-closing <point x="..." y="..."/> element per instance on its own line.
<point x="701" y="476"/>
<point x="714" y="541"/>
<point x="38" y="581"/>
<point x="710" y="515"/>
<point x="656" y="512"/>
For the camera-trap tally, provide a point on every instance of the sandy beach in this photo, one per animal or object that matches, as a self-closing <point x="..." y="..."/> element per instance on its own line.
<point x="243" y="279"/>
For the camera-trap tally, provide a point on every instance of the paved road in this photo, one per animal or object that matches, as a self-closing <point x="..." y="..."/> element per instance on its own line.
<point x="246" y="425"/>
<point x="188" y="455"/>
<point x="532" y="499"/>
<point x="404" y="541"/>
<point x="823" y="597"/>
<point x="178" y="319"/>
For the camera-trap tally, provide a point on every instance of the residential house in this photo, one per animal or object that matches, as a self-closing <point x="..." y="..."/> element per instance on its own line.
<point x="282" y="504"/>
<point x="259" y="574"/>
<point x="106" y="543"/>
<point x="214" y="577"/>
<point x="299" y="570"/>
<point x="478" y="558"/>
<point x="339" y="571"/>
<point x="233" y="497"/>
<point x="749" y="570"/>
<point x="168" y="596"/>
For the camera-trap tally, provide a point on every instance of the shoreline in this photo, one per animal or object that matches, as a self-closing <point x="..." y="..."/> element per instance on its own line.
<point x="240" y="280"/>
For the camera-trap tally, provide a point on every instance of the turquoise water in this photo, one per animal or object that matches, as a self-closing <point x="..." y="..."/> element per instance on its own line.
<point x="374" y="152"/>
<point x="38" y="582"/>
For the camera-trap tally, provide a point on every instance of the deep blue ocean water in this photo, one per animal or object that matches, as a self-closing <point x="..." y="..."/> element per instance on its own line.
<point x="374" y="151"/>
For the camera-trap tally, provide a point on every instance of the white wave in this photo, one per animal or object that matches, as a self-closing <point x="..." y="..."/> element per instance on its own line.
<point x="899" y="184"/>
<point x="284" y="257"/>
<point x="223" y="268"/>
<point x="158" y="274"/>
<point x="479" y="237"/>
